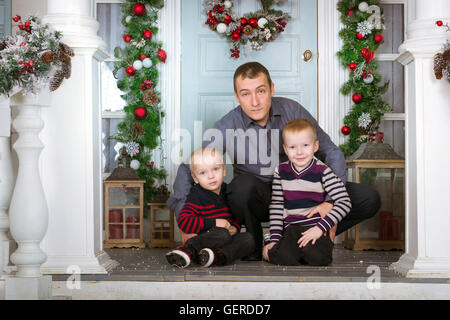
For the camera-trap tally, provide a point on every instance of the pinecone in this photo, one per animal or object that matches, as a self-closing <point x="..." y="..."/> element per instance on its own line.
<point x="65" y="58"/>
<point x="212" y="26"/>
<point x="66" y="49"/>
<point x="66" y="70"/>
<point x="48" y="57"/>
<point x="138" y="129"/>
<point x="248" y="30"/>
<point x="56" y="81"/>
<point x="150" y="97"/>
<point x="439" y="65"/>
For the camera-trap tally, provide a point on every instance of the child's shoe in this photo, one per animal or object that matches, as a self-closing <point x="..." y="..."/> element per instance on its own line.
<point x="208" y="257"/>
<point x="182" y="256"/>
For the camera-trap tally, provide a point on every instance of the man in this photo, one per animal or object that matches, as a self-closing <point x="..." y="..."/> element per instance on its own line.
<point x="251" y="132"/>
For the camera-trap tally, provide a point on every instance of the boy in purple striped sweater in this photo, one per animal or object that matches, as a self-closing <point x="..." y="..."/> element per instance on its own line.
<point x="298" y="235"/>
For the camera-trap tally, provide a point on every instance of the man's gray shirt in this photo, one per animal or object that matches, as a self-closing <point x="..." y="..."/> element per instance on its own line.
<point x="252" y="150"/>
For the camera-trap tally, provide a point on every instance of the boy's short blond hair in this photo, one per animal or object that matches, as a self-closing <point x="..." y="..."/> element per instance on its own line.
<point x="198" y="155"/>
<point x="298" y="125"/>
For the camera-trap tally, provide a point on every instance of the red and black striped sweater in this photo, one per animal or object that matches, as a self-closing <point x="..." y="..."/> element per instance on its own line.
<point x="202" y="208"/>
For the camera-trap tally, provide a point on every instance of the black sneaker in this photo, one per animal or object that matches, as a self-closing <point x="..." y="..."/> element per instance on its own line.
<point x="182" y="256"/>
<point x="208" y="257"/>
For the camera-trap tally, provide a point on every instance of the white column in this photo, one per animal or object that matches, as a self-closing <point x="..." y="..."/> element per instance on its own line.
<point x="427" y="153"/>
<point x="72" y="158"/>
<point x="6" y="180"/>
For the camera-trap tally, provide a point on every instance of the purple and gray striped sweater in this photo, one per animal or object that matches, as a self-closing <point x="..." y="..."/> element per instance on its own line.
<point x="295" y="193"/>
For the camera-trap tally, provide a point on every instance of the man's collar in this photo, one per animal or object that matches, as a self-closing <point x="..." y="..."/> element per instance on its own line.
<point x="275" y="110"/>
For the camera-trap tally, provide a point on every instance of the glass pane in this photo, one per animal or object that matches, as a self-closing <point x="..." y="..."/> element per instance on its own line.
<point x="111" y="95"/>
<point x="133" y="227"/>
<point x="395" y="95"/>
<point x="110" y="29"/>
<point x="394" y="135"/>
<point x="394" y="23"/>
<point x="389" y="223"/>
<point x="111" y="148"/>
<point x="127" y="196"/>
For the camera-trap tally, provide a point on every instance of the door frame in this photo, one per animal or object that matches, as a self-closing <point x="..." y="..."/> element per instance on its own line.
<point x="331" y="105"/>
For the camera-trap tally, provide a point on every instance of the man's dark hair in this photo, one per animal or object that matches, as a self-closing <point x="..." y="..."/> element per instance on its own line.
<point x="251" y="70"/>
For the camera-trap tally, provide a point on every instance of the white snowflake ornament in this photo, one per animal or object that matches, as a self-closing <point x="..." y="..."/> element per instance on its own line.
<point x="132" y="148"/>
<point x="364" y="120"/>
<point x="365" y="28"/>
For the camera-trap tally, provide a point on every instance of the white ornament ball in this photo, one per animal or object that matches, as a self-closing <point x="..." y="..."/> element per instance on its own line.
<point x="221" y="28"/>
<point x="134" y="164"/>
<point x="368" y="79"/>
<point x="128" y="19"/>
<point x="228" y="4"/>
<point x="363" y="6"/>
<point x="147" y="63"/>
<point x="137" y="65"/>
<point x="262" y="22"/>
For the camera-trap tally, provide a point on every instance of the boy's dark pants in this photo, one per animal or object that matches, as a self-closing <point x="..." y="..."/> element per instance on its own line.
<point x="287" y="252"/>
<point x="233" y="247"/>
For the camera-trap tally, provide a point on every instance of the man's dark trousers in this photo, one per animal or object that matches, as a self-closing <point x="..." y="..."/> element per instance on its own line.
<point x="249" y="200"/>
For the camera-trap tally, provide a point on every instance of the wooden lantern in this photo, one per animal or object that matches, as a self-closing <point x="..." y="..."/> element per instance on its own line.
<point x="124" y="209"/>
<point x="161" y="226"/>
<point x="377" y="155"/>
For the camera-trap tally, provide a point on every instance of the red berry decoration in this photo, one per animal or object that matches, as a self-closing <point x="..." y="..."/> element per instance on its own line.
<point x="345" y="130"/>
<point x="352" y="66"/>
<point x="130" y="71"/>
<point x="127" y="38"/>
<point x="139" y="9"/>
<point x="162" y="55"/>
<point x="140" y="113"/>
<point x="253" y="22"/>
<point x="142" y="57"/>
<point x="378" y="38"/>
<point x="349" y="12"/>
<point x="439" y="23"/>
<point x="147" y="34"/>
<point x="357" y="98"/>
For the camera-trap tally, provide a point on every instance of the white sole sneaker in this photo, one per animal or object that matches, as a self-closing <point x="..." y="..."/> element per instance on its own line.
<point x="210" y="254"/>
<point x="178" y="258"/>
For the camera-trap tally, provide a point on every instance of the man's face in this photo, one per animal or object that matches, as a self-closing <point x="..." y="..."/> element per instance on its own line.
<point x="254" y="96"/>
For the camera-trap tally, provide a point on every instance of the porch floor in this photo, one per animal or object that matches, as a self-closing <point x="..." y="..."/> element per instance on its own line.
<point x="348" y="266"/>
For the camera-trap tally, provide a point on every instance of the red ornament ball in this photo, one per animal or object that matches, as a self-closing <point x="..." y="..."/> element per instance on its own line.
<point x="235" y="36"/>
<point x="345" y="130"/>
<point x="16" y="19"/>
<point x="140" y="113"/>
<point x="360" y="36"/>
<point x="253" y="22"/>
<point x="352" y="66"/>
<point x="130" y="71"/>
<point x="162" y="55"/>
<point x="439" y="23"/>
<point x="243" y="21"/>
<point x="227" y="19"/>
<point x="139" y="9"/>
<point x="127" y="38"/>
<point x="27" y="24"/>
<point x="357" y="98"/>
<point x="349" y="12"/>
<point x="147" y="34"/>
<point x="378" y="38"/>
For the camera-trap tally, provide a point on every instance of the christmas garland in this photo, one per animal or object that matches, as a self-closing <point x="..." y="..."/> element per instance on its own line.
<point x="34" y="58"/>
<point x="137" y="76"/>
<point x="442" y="59"/>
<point x="362" y="35"/>
<point x="251" y="30"/>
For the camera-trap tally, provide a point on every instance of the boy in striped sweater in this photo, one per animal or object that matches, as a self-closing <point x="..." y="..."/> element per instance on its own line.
<point x="297" y="234"/>
<point x="206" y="213"/>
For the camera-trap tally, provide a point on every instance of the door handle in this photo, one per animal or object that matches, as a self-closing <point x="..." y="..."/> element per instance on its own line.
<point x="307" y="55"/>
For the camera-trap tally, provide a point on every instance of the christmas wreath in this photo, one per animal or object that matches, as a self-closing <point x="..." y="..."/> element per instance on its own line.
<point x="33" y="58"/>
<point x="362" y="35"/>
<point x="251" y="30"/>
<point x="138" y="77"/>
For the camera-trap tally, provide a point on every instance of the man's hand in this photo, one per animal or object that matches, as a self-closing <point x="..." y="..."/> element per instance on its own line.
<point x="222" y="223"/>
<point x="266" y="250"/>
<point x="232" y="230"/>
<point x="323" y="209"/>
<point x="186" y="236"/>
<point x="313" y="234"/>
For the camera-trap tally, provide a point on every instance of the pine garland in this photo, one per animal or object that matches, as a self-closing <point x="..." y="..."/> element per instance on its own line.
<point x="136" y="71"/>
<point x="362" y="36"/>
